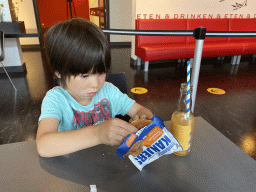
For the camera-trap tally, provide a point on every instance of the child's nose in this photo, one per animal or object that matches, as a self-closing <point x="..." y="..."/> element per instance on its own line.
<point x="95" y="81"/>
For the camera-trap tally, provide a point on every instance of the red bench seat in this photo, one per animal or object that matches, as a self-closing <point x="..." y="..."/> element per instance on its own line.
<point x="153" y="48"/>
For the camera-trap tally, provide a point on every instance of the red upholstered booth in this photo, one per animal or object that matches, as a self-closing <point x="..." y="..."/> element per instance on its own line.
<point x="153" y="48"/>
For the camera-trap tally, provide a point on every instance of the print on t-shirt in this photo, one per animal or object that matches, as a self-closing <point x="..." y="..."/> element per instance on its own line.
<point x="99" y="114"/>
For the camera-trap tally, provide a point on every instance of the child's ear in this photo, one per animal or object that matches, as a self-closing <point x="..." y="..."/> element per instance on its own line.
<point x="57" y="74"/>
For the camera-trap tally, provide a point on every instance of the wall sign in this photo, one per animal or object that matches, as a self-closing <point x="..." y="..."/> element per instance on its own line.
<point x="199" y="9"/>
<point x="237" y="5"/>
<point x="195" y="16"/>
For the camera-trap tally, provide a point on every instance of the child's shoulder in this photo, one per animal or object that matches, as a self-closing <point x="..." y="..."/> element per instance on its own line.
<point x="55" y="91"/>
<point x="109" y="86"/>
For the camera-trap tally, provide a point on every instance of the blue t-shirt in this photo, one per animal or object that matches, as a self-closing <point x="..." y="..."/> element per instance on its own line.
<point x="106" y="104"/>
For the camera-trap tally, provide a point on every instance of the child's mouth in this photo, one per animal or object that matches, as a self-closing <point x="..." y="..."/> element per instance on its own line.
<point x="91" y="94"/>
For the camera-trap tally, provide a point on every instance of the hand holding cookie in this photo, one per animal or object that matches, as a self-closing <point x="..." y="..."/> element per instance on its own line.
<point x="114" y="131"/>
<point x="143" y="113"/>
<point x="137" y="111"/>
<point x="140" y="123"/>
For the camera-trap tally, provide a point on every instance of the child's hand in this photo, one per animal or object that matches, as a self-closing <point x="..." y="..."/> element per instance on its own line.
<point x="114" y="131"/>
<point x="142" y="113"/>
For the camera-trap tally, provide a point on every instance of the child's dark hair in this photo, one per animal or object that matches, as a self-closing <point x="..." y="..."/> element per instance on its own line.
<point x="77" y="46"/>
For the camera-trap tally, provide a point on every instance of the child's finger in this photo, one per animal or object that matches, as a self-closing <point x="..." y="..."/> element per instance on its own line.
<point x="135" y="117"/>
<point x="119" y="138"/>
<point x="128" y="128"/>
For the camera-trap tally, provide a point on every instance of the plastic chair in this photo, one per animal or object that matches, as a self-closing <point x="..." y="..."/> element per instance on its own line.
<point x="117" y="79"/>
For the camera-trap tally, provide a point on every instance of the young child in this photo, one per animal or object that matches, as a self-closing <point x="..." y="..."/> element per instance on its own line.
<point x="81" y="112"/>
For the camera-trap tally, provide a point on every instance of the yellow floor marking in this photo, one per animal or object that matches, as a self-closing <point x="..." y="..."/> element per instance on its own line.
<point x="139" y="90"/>
<point x="216" y="91"/>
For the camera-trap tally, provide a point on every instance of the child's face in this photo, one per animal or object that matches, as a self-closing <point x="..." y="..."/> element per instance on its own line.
<point x="84" y="87"/>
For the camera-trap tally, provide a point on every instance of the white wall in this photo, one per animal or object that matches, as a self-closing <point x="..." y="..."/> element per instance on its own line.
<point x="120" y="13"/>
<point x="120" y="18"/>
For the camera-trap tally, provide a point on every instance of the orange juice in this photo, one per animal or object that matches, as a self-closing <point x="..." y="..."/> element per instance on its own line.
<point x="182" y="129"/>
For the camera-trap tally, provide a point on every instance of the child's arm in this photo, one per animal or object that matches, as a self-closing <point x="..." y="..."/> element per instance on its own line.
<point x="52" y="143"/>
<point x="137" y="111"/>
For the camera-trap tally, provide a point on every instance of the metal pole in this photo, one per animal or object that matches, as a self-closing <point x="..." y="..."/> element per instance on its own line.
<point x="2" y="45"/>
<point x="70" y="8"/>
<point x="199" y="35"/>
<point x="106" y="18"/>
<point x="38" y="23"/>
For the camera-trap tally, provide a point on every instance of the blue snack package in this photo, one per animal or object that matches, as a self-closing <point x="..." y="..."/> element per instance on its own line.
<point x="152" y="142"/>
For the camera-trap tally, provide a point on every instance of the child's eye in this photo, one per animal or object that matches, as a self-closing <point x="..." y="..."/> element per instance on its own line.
<point x="84" y="76"/>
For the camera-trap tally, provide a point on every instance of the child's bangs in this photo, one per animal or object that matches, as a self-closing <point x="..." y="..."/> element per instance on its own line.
<point x="90" y="60"/>
<point x="95" y="61"/>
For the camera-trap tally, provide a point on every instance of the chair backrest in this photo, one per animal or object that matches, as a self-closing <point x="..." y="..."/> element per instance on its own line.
<point x="117" y="79"/>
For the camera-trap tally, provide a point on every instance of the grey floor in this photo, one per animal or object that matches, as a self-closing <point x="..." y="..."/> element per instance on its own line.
<point x="233" y="114"/>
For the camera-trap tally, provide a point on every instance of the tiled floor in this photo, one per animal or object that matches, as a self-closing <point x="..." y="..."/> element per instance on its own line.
<point x="233" y="114"/>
